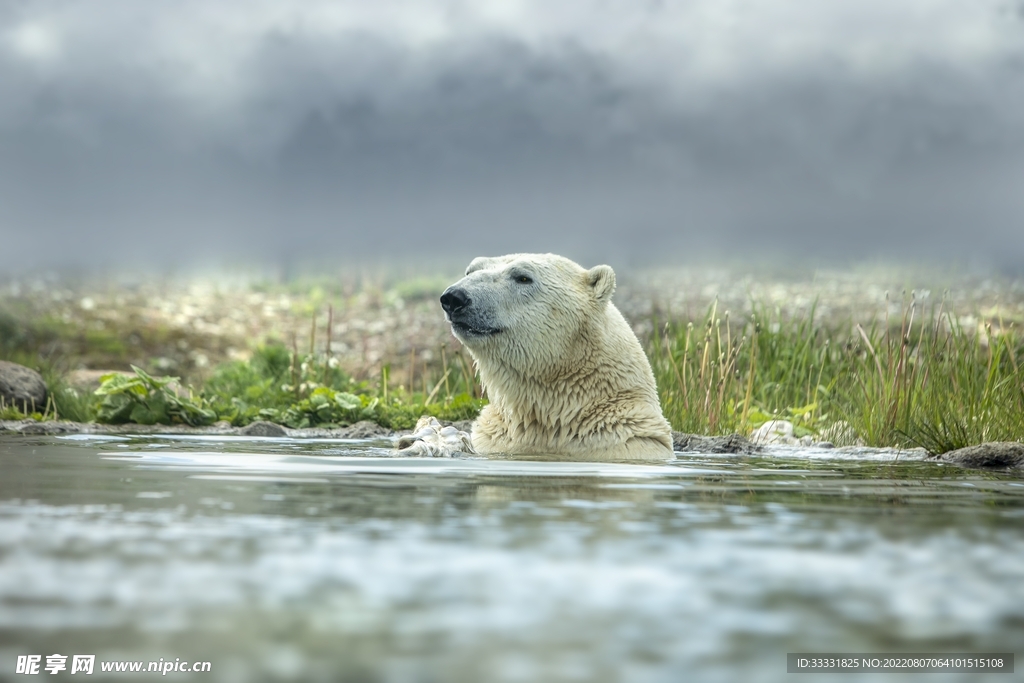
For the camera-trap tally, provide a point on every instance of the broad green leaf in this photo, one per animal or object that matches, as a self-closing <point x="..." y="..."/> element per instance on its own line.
<point x="153" y="382"/>
<point x="116" y="383"/>
<point x="347" y="401"/>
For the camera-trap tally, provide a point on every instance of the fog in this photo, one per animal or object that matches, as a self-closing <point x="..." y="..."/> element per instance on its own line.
<point x="189" y="132"/>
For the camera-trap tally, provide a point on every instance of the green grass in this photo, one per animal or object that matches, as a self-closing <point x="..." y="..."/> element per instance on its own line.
<point x="917" y="381"/>
<point x="279" y="385"/>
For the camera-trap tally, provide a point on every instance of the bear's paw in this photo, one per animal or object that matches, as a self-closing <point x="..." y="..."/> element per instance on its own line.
<point x="430" y="440"/>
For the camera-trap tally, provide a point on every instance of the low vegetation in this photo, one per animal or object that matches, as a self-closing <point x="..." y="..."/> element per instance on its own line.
<point x="921" y="379"/>
<point x="276" y="385"/>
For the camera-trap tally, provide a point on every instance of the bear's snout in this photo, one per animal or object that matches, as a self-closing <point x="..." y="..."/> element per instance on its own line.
<point x="454" y="300"/>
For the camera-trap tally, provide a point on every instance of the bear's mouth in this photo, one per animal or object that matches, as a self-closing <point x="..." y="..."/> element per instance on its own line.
<point x="464" y="329"/>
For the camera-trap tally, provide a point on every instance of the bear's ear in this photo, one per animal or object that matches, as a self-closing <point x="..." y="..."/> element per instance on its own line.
<point x="479" y="263"/>
<point x="602" y="280"/>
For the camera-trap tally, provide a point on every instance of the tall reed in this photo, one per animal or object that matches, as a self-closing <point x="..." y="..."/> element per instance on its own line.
<point x="920" y="380"/>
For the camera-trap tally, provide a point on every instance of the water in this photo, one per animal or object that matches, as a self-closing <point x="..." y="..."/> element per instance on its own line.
<point x="330" y="560"/>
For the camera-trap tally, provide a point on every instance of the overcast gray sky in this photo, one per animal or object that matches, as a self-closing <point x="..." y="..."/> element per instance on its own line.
<point x="176" y="131"/>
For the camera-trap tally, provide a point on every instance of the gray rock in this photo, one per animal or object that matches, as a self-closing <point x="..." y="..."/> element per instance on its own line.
<point x="995" y="455"/>
<point x="774" y="432"/>
<point x="365" y="430"/>
<point x="261" y="428"/>
<point x="22" y="387"/>
<point x="31" y="427"/>
<point x="733" y="443"/>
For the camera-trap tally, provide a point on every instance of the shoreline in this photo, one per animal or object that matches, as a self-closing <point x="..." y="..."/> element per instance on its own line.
<point x="1003" y="457"/>
<point x="359" y="430"/>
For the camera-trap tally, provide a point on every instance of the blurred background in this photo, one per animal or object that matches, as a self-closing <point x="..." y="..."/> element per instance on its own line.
<point x="196" y="134"/>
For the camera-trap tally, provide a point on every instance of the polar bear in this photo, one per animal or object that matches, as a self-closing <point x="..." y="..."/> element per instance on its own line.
<point x="564" y="373"/>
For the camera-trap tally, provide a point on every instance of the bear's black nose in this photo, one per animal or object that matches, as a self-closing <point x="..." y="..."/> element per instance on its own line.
<point x="454" y="300"/>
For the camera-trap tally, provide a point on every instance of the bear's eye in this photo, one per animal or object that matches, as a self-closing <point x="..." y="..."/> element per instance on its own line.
<point x="523" y="279"/>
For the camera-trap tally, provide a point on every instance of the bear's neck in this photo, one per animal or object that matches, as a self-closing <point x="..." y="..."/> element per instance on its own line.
<point x="551" y="396"/>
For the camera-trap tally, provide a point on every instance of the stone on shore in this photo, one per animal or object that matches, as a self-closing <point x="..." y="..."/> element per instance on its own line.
<point x="995" y="455"/>
<point x="774" y="432"/>
<point x="22" y="388"/>
<point x="31" y="427"/>
<point x="733" y="443"/>
<point x="261" y="428"/>
<point x="364" y="429"/>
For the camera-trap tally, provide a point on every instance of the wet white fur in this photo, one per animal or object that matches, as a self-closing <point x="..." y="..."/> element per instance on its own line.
<point x="566" y="377"/>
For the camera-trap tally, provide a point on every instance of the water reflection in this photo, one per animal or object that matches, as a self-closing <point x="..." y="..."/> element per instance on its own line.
<point x="293" y="560"/>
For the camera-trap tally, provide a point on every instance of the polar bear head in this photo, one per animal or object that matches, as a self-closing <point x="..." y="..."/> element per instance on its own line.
<point x="528" y="309"/>
<point x="564" y="373"/>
